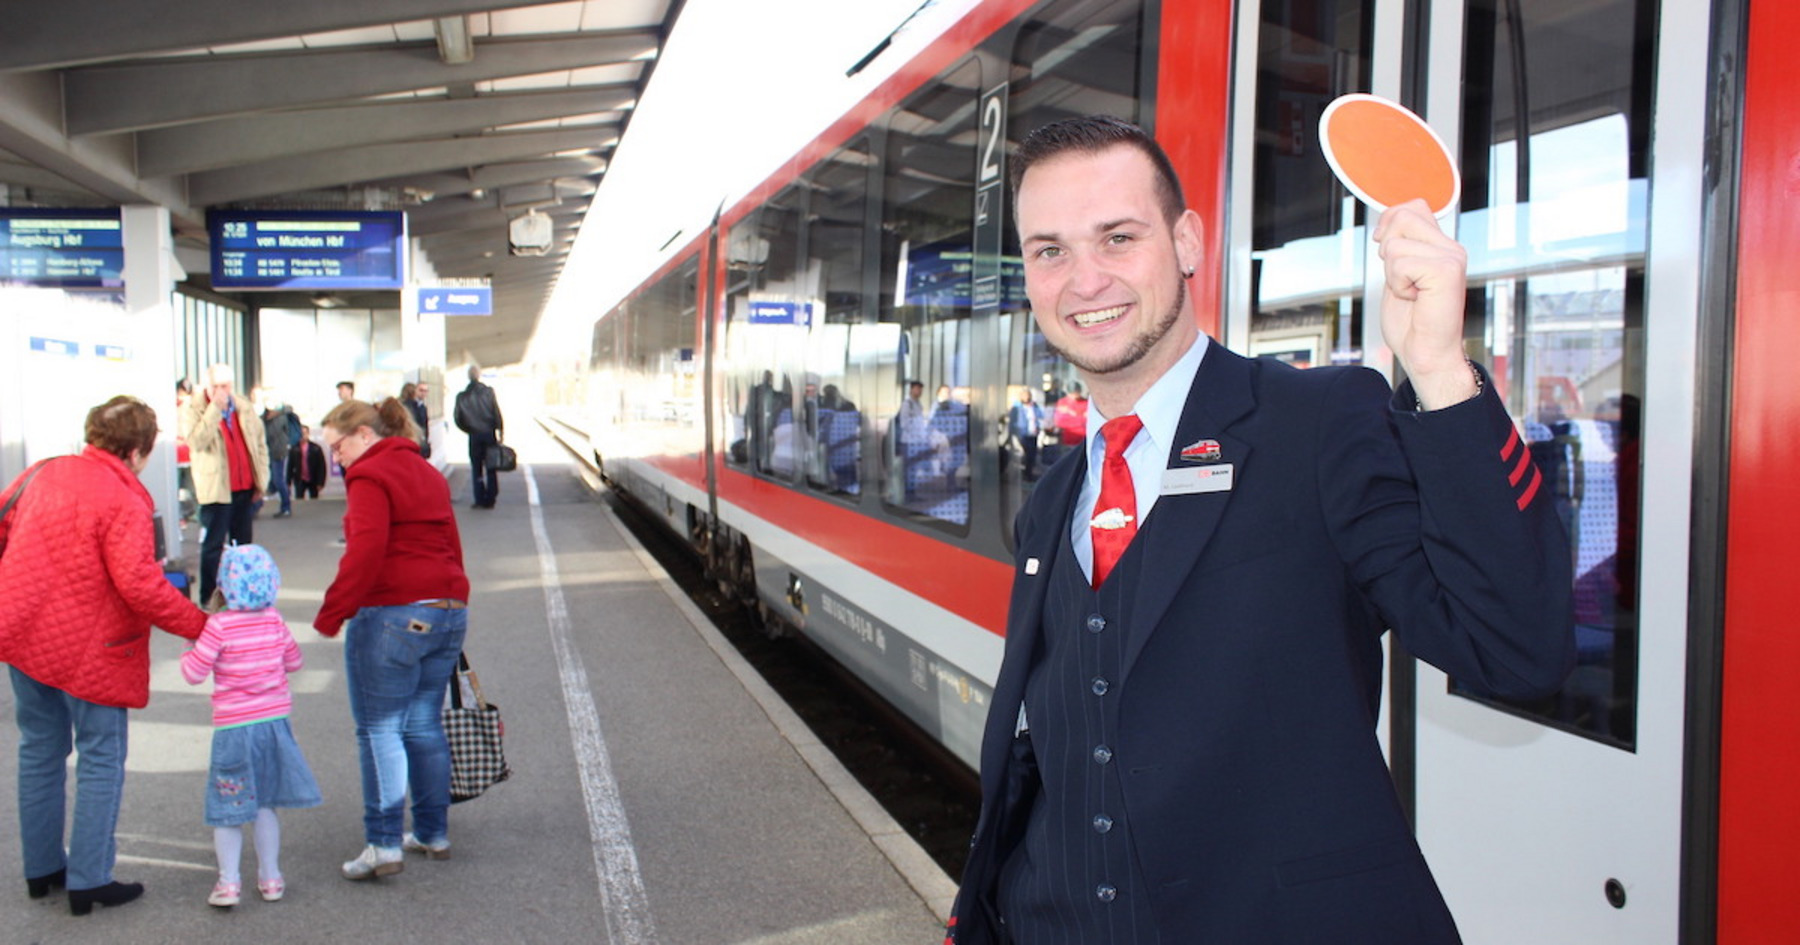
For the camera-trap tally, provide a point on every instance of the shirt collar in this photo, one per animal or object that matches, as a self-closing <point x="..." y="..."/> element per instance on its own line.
<point x="1160" y="407"/>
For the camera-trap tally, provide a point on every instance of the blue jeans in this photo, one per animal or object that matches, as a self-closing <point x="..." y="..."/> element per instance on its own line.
<point x="278" y="479"/>
<point x="398" y="662"/>
<point x="51" y="722"/>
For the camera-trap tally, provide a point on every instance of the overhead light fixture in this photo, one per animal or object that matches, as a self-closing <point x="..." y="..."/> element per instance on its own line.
<point x="477" y="193"/>
<point x="531" y="234"/>
<point x="455" y="46"/>
<point x="327" y="300"/>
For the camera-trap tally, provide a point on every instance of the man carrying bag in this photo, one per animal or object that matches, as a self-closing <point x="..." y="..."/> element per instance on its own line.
<point x="478" y="415"/>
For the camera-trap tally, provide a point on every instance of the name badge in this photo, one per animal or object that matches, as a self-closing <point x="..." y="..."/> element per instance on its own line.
<point x="1197" y="479"/>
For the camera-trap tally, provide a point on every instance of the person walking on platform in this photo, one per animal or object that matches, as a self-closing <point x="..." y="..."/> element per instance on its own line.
<point x="400" y="597"/>
<point x="1181" y="744"/>
<point x="306" y="465"/>
<point x="80" y="588"/>
<point x="256" y="765"/>
<point x="280" y="439"/>
<point x="413" y="396"/>
<point x="230" y="459"/>
<point x="478" y="415"/>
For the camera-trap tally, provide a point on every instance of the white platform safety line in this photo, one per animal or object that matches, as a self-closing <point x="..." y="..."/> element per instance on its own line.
<point x="928" y="880"/>
<point x="622" y="896"/>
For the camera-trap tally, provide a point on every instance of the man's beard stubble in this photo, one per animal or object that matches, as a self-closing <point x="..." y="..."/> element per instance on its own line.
<point x="1140" y="345"/>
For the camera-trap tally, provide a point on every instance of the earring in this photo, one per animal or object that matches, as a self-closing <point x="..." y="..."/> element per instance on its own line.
<point x="1189" y="273"/>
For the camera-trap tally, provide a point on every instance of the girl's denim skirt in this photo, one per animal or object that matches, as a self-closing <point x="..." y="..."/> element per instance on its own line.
<point x="253" y="766"/>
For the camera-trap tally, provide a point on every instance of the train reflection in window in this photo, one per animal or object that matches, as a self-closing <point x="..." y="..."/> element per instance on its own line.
<point x="1071" y="58"/>
<point x="1557" y="240"/>
<point x="926" y="253"/>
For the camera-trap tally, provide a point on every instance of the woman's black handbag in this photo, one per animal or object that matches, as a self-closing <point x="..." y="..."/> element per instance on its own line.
<point x="501" y="458"/>
<point x="477" y="759"/>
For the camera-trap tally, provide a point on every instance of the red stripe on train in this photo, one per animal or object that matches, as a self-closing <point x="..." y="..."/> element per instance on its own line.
<point x="969" y="585"/>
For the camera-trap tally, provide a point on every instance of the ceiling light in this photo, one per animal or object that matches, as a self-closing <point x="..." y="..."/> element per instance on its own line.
<point x="455" y="46"/>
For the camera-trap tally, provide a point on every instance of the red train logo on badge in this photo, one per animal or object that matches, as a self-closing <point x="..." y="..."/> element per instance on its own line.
<point x="1202" y="451"/>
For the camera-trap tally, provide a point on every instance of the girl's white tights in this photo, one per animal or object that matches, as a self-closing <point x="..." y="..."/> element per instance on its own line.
<point x="228" y="843"/>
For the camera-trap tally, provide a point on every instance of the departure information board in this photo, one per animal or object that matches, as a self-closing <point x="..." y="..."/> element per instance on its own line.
<point x="69" y="249"/>
<point x="304" y="249"/>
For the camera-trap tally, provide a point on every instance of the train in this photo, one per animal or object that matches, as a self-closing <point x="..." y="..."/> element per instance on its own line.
<point x="837" y="395"/>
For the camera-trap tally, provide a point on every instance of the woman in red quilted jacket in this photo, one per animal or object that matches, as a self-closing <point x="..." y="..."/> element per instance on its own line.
<point x="80" y="588"/>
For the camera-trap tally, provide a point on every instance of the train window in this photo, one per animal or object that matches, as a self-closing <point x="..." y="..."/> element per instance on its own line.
<point x="649" y="343"/>
<point x="664" y="336"/>
<point x="1555" y="198"/>
<point x="926" y="247"/>
<point x="1070" y="59"/>
<point x="771" y="311"/>
<point x="830" y="425"/>
<point x="1306" y="253"/>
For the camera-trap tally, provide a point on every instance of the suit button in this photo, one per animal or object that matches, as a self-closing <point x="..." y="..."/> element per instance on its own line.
<point x="1101" y="685"/>
<point x="1096" y="623"/>
<point x="1102" y="823"/>
<point x="1102" y="754"/>
<point x="1106" y="892"/>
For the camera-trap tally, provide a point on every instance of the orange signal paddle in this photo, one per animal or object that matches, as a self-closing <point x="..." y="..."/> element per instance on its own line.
<point x="1386" y="155"/>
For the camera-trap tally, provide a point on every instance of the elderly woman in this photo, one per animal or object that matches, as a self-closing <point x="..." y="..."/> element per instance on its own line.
<point x="80" y="588"/>
<point x="399" y="596"/>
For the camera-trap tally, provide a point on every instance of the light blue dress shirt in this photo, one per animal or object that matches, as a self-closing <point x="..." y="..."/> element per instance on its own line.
<point x="1160" y="410"/>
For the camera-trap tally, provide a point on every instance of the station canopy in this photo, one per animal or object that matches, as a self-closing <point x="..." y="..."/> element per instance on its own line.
<point x="465" y="114"/>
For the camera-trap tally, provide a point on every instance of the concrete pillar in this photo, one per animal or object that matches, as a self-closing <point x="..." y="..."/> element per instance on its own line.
<point x="150" y="276"/>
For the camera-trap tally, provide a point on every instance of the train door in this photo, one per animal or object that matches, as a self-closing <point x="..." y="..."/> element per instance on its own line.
<point x="1561" y="820"/>
<point x="1558" y="821"/>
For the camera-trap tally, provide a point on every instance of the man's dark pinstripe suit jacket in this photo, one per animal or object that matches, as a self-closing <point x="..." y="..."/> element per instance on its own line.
<point x="1261" y="807"/>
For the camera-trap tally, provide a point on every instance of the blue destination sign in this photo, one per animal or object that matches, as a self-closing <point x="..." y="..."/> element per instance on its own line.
<point x="71" y="249"/>
<point x="781" y="313"/>
<point x="445" y="301"/>
<point x="67" y="349"/>
<point x="300" y="249"/>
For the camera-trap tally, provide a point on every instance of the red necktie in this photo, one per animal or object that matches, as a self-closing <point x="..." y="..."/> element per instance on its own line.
<point x="1115" y="513"/>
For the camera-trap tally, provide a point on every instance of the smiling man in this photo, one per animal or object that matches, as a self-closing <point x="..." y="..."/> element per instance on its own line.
<point x="1181" y="745"/>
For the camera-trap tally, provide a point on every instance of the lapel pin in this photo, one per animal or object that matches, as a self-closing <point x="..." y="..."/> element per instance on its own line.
<point x="1202" y="451"/>
<point x="1031" y="565"/>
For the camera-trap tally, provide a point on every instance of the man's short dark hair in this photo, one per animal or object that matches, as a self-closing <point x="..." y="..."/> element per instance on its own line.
<point x="349" y="384"/>
<point x="1092" y="134"/>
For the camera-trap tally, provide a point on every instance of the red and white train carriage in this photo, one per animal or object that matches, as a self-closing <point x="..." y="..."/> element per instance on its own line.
<point x="827" y="391"/>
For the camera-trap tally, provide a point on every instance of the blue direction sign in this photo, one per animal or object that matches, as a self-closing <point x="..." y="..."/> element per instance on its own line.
<point x="448" y="301"/>
<point x="69" y="249"/>
<point x="781" y="313"/>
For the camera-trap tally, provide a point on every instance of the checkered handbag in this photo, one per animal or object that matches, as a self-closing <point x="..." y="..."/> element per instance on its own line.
<point x="477" y="759"/>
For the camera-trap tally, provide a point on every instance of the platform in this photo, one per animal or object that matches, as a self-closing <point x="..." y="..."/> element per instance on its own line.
<point x="661" y="793"/>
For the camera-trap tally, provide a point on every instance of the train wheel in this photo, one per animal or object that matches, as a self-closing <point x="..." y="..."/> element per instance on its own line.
<point x="743" y="572"/>
<point x="700" y="537"/>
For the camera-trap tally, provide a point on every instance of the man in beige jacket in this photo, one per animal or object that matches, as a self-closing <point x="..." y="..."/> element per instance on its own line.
<point x="229" y="458"/>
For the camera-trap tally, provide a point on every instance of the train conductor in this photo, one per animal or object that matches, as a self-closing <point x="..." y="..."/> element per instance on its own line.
<point x="1182" y="746"/>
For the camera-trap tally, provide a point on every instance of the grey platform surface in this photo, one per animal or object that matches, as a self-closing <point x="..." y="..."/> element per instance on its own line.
<point x="725" y="823"/>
